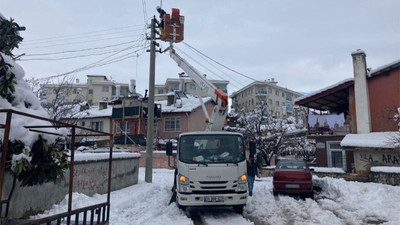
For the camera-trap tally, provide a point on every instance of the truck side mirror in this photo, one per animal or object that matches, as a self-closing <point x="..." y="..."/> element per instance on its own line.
<point x="252" y="148"/>
<point x="169" y="148"/>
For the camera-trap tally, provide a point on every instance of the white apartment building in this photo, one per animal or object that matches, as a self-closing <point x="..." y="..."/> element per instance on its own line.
<point x="97" y="88"/>
<point x="187" y="85"/>
<point x="278" y="101"/>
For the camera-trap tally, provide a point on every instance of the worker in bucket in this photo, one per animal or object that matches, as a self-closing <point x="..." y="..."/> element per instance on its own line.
<point x="161" y="25"/>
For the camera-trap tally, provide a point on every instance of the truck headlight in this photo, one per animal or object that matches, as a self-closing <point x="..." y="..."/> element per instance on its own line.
<point x="242" y="183"/>
<point x="243" y="179"/>
<point x="184" y="184"/>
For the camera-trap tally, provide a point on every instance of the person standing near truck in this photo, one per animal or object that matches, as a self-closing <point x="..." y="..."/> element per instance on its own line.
<point x="252" y="171"/>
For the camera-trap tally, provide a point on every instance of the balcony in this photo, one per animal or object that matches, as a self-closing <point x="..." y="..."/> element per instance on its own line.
<point x="330" y="124"/>
<point x="261" y="93"/>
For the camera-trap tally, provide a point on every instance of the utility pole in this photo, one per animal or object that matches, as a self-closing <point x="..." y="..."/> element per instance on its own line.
<point x="150" y="105"/>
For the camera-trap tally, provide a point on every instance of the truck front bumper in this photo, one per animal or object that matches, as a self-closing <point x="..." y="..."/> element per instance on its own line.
<point x="212" y="199"/>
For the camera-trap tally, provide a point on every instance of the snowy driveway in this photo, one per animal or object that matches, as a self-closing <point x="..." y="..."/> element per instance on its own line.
<point x="340" y="202"/>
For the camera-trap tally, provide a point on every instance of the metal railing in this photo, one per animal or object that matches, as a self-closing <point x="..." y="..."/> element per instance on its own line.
<point x="96" y="214"/>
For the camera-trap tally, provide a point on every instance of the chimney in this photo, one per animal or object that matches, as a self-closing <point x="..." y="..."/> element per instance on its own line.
<point x="133" y="86"/>
<point x="102" y="105"/>
<point x="361" y="92"/>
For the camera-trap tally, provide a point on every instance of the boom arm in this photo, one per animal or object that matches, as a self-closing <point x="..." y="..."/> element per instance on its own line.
<point x="218" y="116"/>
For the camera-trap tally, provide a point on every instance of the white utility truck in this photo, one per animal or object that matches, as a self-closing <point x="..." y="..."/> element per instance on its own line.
<point x="210" y="166"/>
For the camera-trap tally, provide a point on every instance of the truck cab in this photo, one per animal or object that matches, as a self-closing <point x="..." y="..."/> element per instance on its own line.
<point x="211" y="170"/>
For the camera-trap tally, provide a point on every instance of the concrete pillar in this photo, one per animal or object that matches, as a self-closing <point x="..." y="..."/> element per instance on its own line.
<point x="361" y="92"/>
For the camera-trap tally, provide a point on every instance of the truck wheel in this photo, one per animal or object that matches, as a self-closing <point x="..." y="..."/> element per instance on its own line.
<point x="238" y="209"/>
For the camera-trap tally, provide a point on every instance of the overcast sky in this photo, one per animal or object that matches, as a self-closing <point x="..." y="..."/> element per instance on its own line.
<point x="305" y="45"/>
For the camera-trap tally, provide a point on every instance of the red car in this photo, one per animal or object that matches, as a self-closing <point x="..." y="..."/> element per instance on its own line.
<point x="293" y="177"/>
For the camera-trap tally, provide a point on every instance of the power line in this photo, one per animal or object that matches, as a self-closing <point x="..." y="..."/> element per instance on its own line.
<point x="80" y="55"/>
<point x="78" y="50"/>
<point x="97" y="64"/>
<point x="71" y="57"/>
<point x="226" y="67"/>
<point x="79" y="42"/>
<point x="206" y="68"/>
<point x="79" y="34"/>
<point x="75" y="38"/>
<point x="220" y="70"/>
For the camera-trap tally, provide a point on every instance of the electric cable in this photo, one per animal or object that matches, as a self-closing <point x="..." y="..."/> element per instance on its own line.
<point x="206" y="68"/>
<point x="81" y="37"/>
<point x="226" y="67"/>
<point x="80" y="34"/>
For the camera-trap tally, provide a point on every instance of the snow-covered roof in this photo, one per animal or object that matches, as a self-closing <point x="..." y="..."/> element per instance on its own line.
<point x="372" y="140"/>
<point x="324" y="89"/>
<point x="189" y="104"/>
<point x="94" y="112"/>
<point x="384" y="68"/>
<point x="271" y="83"/>
<point x="371" y="73"/>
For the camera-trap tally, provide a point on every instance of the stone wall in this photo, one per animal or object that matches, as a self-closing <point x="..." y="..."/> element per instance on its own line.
<point x="90" y="177"/>
<point x="385" y="178"/>
<point x="376" y="177"/>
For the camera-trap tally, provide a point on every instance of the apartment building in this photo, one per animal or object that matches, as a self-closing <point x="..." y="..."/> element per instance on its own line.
<point x="187" y="85"/>
<point x="279" y="101"/>
<point x="97" y="88"/>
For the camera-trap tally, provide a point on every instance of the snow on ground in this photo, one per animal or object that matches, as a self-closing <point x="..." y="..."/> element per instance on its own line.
<point x="339" y="202"/>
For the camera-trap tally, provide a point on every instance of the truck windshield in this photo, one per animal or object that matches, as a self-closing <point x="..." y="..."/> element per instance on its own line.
<point x="211" y="149"/>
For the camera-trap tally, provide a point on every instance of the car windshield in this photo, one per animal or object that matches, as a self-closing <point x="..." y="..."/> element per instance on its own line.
<point x="292" y="165"/>
<point x="211" y="149"/>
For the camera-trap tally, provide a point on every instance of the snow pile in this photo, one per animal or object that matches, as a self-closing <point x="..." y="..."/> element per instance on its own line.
<point x="372" y="140"/>
<point x="385" y="169"/>
<point x="23" y="96"/>
<point x="81" y="157"/>
<point x="327" y="170"/>
<point x="339" y="202"/>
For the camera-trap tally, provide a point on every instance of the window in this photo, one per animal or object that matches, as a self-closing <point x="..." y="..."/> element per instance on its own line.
<point x="277" y="103"/>
<point x="90" y="91"/>
<point x="283" y="94"/>
<point x="160" y="91"/>
<point x="124" y="127"/>
<point x="283" y="103"/>
<point x="106" y="89"/>
<point x="172" y="124"/>
<point x="336" y="155"/>
<point x="192" y="87"/>
<point x="83" y="123"/>
<point x="276" y="92"/>
<point x="269" y="90"/>
<point x="97" y="125"/>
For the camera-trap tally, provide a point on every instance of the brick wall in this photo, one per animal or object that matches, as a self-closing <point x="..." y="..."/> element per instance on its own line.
<point x="160" y="160"/>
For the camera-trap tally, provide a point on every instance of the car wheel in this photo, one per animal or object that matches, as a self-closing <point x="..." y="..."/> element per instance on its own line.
<point x="275" y="193"/>
<point x="238" y="209"/>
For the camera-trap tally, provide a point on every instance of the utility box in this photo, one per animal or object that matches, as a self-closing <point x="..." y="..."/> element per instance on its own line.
<point x="173" y="27"/>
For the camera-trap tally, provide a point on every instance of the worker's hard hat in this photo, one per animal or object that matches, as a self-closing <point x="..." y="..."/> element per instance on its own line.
<point x="158" y="7"/>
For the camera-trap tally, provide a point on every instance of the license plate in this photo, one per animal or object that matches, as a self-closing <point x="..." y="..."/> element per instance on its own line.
<point x="214" y="199"/>
<point x="292" y="185"/>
